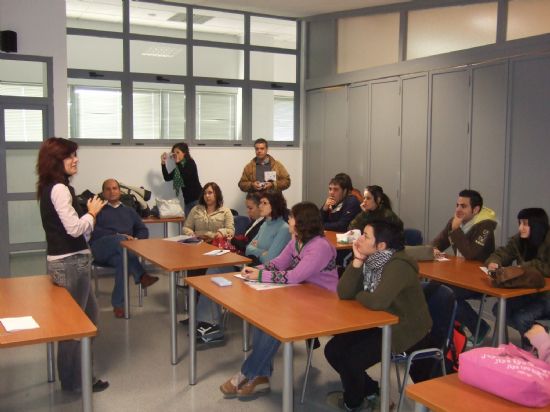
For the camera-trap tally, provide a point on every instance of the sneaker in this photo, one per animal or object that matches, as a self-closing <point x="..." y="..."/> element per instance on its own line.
<point x="210" y="333"/>
<point x="258" y="385"/>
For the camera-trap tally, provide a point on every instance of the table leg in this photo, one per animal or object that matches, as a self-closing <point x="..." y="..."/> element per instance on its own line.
<point x="86" y="373"/>
<point x="165" y="230"/>
<point x="288" y="380"/>
<point x="501" y="321"/>
<point x="51" y="361"/>
<point x="192" y="336"/>
<point x="246" y="334"/>
<point x="173" y="320"/>
<point x="385" y="369"/>
<point x="125" y="280"/>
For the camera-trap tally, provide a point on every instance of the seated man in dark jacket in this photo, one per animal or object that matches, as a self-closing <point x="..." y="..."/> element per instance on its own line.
<point x="341" y="206"/>
<point x="381" y="277"/>
<point x="114" y="224"/>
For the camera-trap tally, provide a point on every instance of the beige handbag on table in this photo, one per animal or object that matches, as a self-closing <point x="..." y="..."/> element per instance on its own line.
<point x="169" y="208"/>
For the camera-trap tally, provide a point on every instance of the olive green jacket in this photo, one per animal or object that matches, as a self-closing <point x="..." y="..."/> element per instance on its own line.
<point x="399" y="292"/>
<point x="505" y="255"/>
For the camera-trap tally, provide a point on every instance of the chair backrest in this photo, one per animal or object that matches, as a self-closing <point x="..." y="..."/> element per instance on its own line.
<point x="241" y="224"/>
<point x="442" y="306"/>
<point x="413" y="237"/>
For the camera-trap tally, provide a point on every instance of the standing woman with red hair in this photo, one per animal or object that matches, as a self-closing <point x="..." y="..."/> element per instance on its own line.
<point x="68" y="256"/>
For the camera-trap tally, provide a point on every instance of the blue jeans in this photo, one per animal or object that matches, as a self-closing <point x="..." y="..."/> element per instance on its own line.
<point x="260" y="361"/>
<point x="108" y="252"/>
<point x="73" y="274"/>
<point x="207" y="310"/>
<point x="464" y="312"/>
<point x="523" y="311"/>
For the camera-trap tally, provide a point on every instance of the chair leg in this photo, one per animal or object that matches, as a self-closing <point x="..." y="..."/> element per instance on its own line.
<point x="402" y="388"/>
<point x="141" y="290"/>
<point x="308" y="366"/>
<point x="478" y="324"/>
<point x="398" y="376"/>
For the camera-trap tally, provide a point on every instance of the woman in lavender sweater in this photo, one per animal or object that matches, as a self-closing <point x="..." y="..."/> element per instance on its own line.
<point x="308" y="257"/>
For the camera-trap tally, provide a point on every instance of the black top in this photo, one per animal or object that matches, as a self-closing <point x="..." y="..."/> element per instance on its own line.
<point x="193" y="188"/>
<point x="58" y="240"/>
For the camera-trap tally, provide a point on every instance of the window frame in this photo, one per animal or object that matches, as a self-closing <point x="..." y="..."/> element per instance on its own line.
<point x="190" y="82"/>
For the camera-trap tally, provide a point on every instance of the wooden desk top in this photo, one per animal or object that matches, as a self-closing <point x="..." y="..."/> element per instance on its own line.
<point x="154" y="219"/>
<point x="467" y="274"/>
<point x="53" y="308"/>
<point x="294" y="312"/>
<point x="331" y="237"/>
<point x="448" y="393"/>
<point x="174" y="256"/>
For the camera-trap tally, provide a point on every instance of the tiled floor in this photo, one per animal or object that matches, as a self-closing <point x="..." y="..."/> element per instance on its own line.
<point x="134" y="356"/>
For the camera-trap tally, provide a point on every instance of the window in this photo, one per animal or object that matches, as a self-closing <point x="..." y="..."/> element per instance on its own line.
<point x="139" y="70"/>
<point x="447" y="29"/>
<point x="527" y="18"/>
<point x="95" y="110"/>
<point x="159" y="113"/>
<point x="218" y="112"/>
<point x="23" y="125"/>
<point x="273" y="115"/>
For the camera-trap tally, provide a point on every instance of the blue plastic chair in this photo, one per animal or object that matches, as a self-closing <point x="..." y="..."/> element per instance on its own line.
<point x="241" y="224"/>
<point x="413" y="237"/>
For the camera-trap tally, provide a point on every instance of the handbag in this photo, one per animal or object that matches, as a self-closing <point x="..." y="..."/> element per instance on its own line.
<point x="511" y="277"/>
<point x="508" y="372"/>
<point x="223" y="243"/>
<point x="169" y="208"/>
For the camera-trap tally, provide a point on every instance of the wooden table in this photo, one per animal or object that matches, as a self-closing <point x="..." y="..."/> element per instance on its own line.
<point x="173" y="257"/>
<point x="467" y="274"/>
<point x="331" y="237"/>
<point x="165" y="221"/>
<point x="59" y="316"/>
<point x="448" y="393"/>
<point x="287" y="315"/>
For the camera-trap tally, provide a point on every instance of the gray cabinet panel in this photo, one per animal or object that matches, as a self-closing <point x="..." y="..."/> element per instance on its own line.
<point x="488" y="154"/>
<point x="385" y="143"/>
<point x="314" y="145"/>
<point x="336" y="140"/>
<point x="358" y="136"/>
<point x="414" y="144"/>
<point x="530" y="137"/>
<point x="449" y="146"/>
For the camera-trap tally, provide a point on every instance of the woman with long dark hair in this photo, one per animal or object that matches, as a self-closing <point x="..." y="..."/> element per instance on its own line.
<point x="210" y="219"/>
<point x="68" y="257"/>
<point x="184" y="176"/>
<point x="376" y="206"/>
<point x="529" y="247"/>
<point x="308" y="257"/>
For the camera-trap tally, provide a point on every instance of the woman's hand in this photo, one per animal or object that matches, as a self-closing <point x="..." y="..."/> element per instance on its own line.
<point x="95" y="204"/>
<point x="163" y="158"/>
<point x="250" y="273"/>
<point x="492" y="266"/>
<point x="358" y="257"/>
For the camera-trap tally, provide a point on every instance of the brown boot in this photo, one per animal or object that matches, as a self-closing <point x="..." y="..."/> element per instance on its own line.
<point x="230" y="388"/>
<point x="147" y="280"/>
<point x="258" y="385"/>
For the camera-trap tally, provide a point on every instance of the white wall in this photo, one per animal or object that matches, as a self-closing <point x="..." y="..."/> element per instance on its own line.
<point x="40" y="28"/>
<point x="140" y="166"/>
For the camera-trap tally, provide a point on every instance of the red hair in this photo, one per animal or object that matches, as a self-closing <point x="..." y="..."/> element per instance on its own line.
<point x="49" y="165"/>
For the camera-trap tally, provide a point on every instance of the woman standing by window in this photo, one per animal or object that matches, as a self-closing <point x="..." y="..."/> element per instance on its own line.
<point x="184" y="176"/>
<point x="68" y="257"/>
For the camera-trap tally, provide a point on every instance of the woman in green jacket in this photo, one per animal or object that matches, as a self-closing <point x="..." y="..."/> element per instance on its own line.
<point x="381" y="277"/>
<point x="376" y="206"/>
<point x="529" y="247"/>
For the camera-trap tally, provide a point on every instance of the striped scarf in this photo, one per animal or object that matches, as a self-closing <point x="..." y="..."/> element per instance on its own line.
<point x="373" y="267"/>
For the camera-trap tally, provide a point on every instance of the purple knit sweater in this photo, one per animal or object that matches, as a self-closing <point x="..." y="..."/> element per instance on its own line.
<point x="315" y="263"/>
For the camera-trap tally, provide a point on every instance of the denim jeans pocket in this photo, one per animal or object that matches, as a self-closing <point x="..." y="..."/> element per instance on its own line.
<point x="56" y="270"/>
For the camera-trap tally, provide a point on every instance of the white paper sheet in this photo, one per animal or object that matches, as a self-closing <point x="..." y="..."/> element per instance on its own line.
<point x="19" y="323"/>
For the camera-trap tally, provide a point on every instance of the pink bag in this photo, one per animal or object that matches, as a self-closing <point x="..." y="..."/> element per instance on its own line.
<point x="508" y="372"/>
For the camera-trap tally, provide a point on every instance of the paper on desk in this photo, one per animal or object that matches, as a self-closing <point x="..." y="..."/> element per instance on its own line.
<point x="442" y="259"/>
<point x="267" y="286"/>
<point x="19" y="323"/>
<point x="177" y="238"/>
<point x="238" y="275"/>
<point x="217" y="252"/>
<point x="484" y="269"/>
